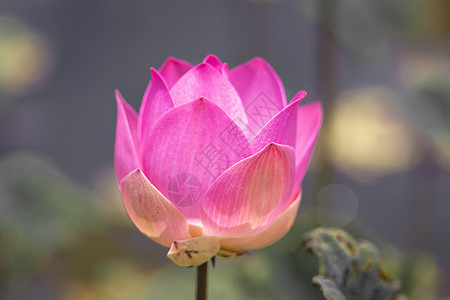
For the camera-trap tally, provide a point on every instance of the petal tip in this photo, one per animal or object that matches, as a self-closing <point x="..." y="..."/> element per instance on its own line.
<point x="138" y="172"/>
<point x="156" y="76"/>
<point x="300" y="95"/>
<point x="275" y="146"/>
<point x="259" y="59"/>
<point x="203" y="65"/>
<point x="120" y="101"/>
<point x="171" y="59"/>
<point x="202" y="101"/>
<point x="118" y="95"/>
<point x="133" y="174"/>
<point x="211" y="56"/>
<point x="264" y="63"/>
<point x="206" y="67"/>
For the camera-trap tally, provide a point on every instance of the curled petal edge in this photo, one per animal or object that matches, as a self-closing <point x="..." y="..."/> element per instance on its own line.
<point x="151" y="212"/>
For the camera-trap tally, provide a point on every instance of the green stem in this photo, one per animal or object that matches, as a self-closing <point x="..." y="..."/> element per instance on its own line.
<point x="202" y="275"/>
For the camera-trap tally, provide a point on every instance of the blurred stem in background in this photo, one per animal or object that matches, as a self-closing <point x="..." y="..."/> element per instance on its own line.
<point x="422" y="211"/>
<point x="327" y="81"/>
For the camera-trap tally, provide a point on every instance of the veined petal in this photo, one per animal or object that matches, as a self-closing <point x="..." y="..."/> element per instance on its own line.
<point x="172" y="70"/>
<point x="214" y="61"/>
<point x="273" y="233"/>
<point x="281" y="129"/>
<point x="151" y="212"/>
<point x="251" y="194"/>
<point x="125" y="156"/>
<point x="309" y="121"/>
<point x="188" y="148"/>
<point x="156" y="102"/>
<point x="261" y="91"/>
<point x="204" y="80"/>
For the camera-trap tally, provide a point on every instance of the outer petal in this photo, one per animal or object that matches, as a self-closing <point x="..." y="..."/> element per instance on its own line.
<point x="309" y="121"/>
<point x="251" y="194"/>
<point x="273" y="233"/>
<point x="195" y="251"/>
<point x="172" y="70"/>
<point x="205" y="81"/>
<point x="214" y="61"/>
<point x="281" y="129"/>
<point x="188" y="148"/>
<point x="156" y="102"/>
<point x="261" y="91"/>
<point x="300" y="95"/>
<point x="151" y="212"/>
<point x="125" y="157"/>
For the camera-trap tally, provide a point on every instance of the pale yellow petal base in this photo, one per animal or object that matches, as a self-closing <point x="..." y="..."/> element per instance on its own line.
<point x="195" y="251"/>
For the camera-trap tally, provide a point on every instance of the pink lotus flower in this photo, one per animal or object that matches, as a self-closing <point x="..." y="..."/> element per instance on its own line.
<point x="215" y="158"/>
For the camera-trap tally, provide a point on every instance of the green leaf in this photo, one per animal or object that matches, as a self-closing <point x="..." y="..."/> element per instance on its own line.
<point x="329" y="288"/>
<point x="349" y="269"/>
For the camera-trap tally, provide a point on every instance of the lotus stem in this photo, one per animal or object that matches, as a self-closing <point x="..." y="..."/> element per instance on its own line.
<point x="202" y="276"/>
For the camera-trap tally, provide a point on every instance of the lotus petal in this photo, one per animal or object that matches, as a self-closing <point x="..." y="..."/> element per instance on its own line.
<point x="204" y="80"/>
<point x="125" y="156"/>
<point x="251" y="194"/>
<point x="151" y="212"/>
<point x="273" y="233"/>
<point x="188" y="148"/>
<point x="172" y="70"/>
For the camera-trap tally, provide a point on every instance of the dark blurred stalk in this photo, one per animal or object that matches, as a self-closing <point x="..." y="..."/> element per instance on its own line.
<point x="202" y="281"/>
<point x="327" y="81"/>
<point x="423" y="193"/>
<point x="3" y="283"/>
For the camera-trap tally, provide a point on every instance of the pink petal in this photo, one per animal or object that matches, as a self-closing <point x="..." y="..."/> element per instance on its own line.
<point x="281" y="129"/>
<point x="156" y="102"/>
<point x="309" y="121"/>
<point x="204" y="80"/>
<point x="151" y="212"/>
<point x="300" y="95"/>
<point x="273" y="233"/>
<point x="251" y="194"/>
<point x="261" y="91"/>
<point x="125" y="156"/>
<point x="214" y="61"/>
<point x="188" y="148"/>
<point x="172" y="70"/>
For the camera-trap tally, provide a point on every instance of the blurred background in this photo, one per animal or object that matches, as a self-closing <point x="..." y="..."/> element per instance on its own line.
<point x="381" y="169"/>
